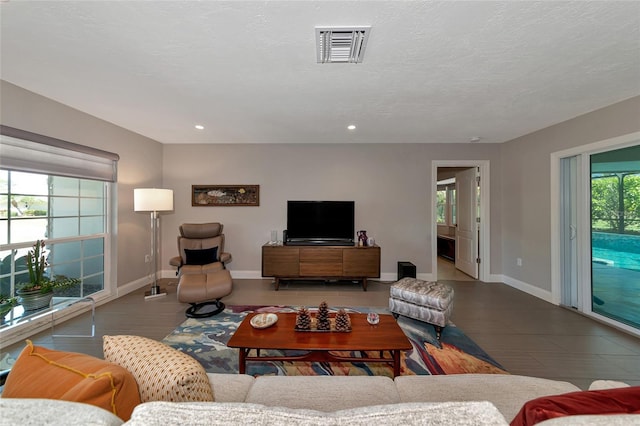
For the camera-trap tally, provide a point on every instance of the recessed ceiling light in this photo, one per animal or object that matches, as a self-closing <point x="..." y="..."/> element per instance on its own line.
<point x="199" y="126"/>
<point x="351" y="127"/>
<point x="475" y="139"/>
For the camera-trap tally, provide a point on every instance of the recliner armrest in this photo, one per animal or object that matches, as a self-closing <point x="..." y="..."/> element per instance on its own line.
<point x="225" y="257"/>
<point x="176" y="261"/>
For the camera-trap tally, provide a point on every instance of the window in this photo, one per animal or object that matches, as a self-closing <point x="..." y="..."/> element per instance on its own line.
<point x="446" y="203"/>
<point x="442" y="207"/>
<point x="69" y="213"/>
<point x="59" y="192"/>
<point x="452" y="205"/>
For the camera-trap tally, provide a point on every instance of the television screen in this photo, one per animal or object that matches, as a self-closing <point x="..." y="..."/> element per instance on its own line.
<point x="320" y="221"/>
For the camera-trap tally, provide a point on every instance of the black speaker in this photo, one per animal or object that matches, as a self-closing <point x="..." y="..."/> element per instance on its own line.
<point x="406" y="269"/>
<point x="284" y="237"/>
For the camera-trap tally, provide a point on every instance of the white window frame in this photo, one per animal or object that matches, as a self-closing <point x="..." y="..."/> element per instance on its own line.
<point x="17" y="149"/>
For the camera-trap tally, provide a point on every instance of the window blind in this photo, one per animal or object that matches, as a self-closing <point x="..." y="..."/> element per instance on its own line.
<point x="30" y="152"/>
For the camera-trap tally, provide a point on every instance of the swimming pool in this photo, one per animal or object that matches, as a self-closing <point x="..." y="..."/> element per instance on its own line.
<point x="619" y="251"/>
<point x="617" y="259"/>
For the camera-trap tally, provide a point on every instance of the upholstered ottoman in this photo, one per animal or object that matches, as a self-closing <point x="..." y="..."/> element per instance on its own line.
<point x="427" y="301"/>
<point x="201" y="290"/>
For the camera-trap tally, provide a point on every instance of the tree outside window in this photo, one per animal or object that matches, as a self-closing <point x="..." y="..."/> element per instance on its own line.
<point x="446" y="205"/>
<point x="615" y="203"/>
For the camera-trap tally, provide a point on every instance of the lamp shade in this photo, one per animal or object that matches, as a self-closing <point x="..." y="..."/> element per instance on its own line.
<point x="152" y="199"/>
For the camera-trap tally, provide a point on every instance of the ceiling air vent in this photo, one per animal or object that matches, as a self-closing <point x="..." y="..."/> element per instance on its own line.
<point x="341" y="44"/>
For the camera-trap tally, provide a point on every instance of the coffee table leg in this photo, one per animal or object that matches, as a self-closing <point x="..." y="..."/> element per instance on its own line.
<point x="242" y="355"/>
<point x="396" y="363"/>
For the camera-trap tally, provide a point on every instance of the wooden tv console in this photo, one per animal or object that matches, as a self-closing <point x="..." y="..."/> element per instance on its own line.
<point x="316" y="262"/>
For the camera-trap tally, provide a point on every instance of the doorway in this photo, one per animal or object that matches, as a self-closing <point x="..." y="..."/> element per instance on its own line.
<point x="460" y="225"/>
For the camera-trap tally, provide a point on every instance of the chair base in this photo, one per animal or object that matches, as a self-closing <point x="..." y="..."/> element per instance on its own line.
<point x="198" y="310"/>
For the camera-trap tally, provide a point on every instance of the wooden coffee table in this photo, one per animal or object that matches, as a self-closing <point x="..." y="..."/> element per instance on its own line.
<point x="386" y="336"/>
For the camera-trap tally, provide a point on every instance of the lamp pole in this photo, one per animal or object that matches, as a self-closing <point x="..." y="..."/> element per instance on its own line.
<point x="155" y="288"/>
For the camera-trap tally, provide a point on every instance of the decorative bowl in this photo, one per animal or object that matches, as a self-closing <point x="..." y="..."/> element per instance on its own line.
<point x="263" y="320"/>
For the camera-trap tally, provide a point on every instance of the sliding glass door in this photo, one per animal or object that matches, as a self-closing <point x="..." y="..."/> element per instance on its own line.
<point x="599" y="239"/>
<point x="615" y="235"/>
<point x="569" y="237"/>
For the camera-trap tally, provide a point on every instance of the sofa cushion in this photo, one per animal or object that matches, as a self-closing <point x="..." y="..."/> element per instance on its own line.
<point x="609" y="401"/>
<point x="46" y="373"/>
<point x="607" y="384"/>
<point x="39" y="411"/>
<point x="594" y="420"/>
<point x="230" y="387"/>
<point x="507" y="392"/>
<point x="162" y="373"/>
<point x="324" y="393"/>
<point x="446" y="413"/>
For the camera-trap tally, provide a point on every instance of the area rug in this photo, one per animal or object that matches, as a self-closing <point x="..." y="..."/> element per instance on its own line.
<point x="455" y="353"/>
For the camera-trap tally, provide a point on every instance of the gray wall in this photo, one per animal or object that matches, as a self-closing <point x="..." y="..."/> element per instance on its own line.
<point x="526" y="184"/>
<point x="391" y="184"/>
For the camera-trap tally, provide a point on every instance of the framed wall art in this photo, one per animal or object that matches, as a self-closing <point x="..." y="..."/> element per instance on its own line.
<point x="225" y="195"/>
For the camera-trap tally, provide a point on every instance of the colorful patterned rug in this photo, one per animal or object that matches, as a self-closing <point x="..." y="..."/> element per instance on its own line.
<point x="455" y="353"/>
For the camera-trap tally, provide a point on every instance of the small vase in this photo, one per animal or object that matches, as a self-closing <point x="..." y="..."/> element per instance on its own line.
<point x="34" y="300"/>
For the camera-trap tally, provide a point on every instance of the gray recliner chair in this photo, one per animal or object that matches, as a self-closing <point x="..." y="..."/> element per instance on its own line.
<point x="204" y="280"/>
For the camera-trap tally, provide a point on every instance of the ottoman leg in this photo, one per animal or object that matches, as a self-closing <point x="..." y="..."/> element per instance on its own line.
<point x="438" y="331"/>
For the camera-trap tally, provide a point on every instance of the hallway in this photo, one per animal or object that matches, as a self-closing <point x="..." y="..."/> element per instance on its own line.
<point x="447" y="271"/>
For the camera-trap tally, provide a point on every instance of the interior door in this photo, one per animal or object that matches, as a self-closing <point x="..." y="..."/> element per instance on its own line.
<point x="467" y="224"/>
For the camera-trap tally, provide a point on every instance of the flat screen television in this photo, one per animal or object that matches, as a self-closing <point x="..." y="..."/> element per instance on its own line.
<point x="320" y="222"/>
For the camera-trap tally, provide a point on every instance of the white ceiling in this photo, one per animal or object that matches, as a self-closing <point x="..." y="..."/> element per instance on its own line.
<point x="433" y="72"/>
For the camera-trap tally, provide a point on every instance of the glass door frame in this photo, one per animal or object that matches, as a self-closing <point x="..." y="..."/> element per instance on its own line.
<point x="583" y="233"/>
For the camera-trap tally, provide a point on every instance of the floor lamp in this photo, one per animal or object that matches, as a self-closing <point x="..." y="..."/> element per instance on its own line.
<point x="153" y="200"/>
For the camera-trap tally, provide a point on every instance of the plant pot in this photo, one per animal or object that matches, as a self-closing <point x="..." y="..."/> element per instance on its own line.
<point x="34" y="299"/>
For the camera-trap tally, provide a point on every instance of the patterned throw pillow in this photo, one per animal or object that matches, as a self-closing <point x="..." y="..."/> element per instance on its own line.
<point x="162" y="373"/>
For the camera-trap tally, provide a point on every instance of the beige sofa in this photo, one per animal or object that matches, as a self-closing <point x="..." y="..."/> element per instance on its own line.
<point x="138" y="374"/>
<point x="478" y="399"/>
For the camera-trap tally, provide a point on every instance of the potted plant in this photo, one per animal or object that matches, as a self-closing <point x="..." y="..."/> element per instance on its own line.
<point x="38" y="292"/>
<point x="6" y="304"/>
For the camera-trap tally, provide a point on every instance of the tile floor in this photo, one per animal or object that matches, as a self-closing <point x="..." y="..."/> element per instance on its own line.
<point x="526" y="335"/>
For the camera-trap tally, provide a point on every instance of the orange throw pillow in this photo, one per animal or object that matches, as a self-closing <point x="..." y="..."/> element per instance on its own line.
<point x="45" y="373"/>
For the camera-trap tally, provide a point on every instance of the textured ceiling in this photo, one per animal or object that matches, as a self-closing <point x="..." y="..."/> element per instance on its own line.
<point x="433" y="72"/>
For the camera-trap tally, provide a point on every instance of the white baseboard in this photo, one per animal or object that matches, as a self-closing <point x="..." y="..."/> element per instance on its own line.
<point x="495" y="278"/>
<point x="257" y="275"/>
<point x="528" y="288"/>
<point x="384" y="276"/>
<point x="247" y="275"/>
<point x="132" y="286"/>
<point x="425" y="277"/>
